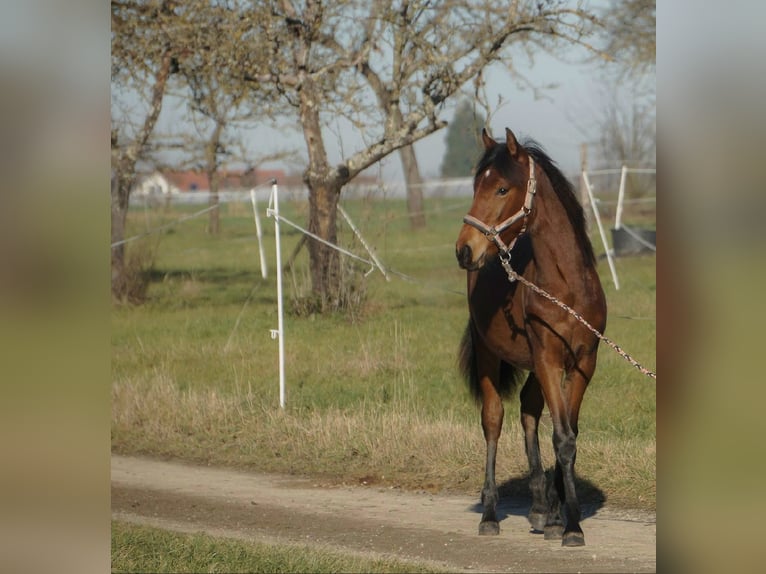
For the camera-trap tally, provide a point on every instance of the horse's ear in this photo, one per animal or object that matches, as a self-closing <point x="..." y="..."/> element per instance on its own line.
<point x="511" y="143"/>
<point x="486" y="139"/>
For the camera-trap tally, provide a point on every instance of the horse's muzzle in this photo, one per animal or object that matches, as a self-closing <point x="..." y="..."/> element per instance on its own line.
<point x="465" y="257"/>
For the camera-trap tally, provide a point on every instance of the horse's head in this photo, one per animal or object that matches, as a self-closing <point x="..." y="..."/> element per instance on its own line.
<point x="503" y="188"/>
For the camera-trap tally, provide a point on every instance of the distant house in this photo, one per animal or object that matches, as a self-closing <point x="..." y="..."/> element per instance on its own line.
<point x="153" y="185"/>
<point x="185" y="181"/>
<point x="163" y="183"/>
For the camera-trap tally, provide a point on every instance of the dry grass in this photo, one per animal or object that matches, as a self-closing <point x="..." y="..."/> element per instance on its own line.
<point x="135" y="280"/>
<point x="395" y="444"/>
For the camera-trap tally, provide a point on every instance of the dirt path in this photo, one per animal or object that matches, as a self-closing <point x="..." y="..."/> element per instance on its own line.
<point x="433" y="528"/>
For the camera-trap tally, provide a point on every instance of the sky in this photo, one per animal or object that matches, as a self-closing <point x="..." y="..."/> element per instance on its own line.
<point x="548" y="116"/>
<point x="560" y="117"/>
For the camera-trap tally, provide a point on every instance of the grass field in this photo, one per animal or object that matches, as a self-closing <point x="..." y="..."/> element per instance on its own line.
<point x="144" y="549"/>
<point x="373" y="395"/>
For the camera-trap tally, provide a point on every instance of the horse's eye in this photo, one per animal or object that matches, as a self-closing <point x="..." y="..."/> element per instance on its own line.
<point x="502" y="191"/>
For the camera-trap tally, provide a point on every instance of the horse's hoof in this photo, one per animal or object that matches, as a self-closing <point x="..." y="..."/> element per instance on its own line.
<point x="489" y="528"/>
<point x="537" y="520"/>
<point x="553" y="532"/>
<point x="573" y="539"/>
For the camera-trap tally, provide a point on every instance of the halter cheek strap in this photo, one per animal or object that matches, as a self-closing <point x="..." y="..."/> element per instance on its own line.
<point x="493" y="233"/>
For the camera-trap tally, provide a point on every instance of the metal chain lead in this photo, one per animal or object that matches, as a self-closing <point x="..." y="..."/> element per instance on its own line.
<point x="513" y="276"/>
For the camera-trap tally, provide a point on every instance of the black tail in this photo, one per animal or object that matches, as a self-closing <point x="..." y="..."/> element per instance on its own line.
<point x="510" y="376"/>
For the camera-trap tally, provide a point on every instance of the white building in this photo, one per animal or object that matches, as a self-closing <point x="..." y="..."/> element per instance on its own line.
<point x="154" y="185"/>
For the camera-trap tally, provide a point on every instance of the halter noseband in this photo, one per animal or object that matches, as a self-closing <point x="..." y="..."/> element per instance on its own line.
<point x="493" y="233"/>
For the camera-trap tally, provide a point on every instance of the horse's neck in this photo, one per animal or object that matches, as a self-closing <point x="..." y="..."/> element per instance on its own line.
<point x="557" y="253"/>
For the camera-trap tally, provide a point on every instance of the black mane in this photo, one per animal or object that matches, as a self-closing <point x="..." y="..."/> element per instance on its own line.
<point x="498" y="157"/>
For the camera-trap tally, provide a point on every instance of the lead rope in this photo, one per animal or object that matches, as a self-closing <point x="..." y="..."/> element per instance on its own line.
<point x="505" y="259"/>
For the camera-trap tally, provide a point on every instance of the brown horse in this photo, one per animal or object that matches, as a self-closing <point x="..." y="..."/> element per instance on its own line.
<point x="524" y="211"/>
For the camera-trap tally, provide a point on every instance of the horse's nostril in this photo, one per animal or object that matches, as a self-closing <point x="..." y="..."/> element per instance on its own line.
<point x="464" y="255"/>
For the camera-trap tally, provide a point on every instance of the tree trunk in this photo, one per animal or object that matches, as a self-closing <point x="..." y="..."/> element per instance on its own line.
<point x="120" y="194"/>
<point x="125" y="175"/>
<point x="325" y="261"/>
<point x="211" y="165"/>
<point x="324" y="186"/>
<point x="214" y="225"/>
<point x="414" y="187"/>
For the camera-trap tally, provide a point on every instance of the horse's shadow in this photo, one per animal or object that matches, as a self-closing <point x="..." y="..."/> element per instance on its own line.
<point x="516" y="500"/>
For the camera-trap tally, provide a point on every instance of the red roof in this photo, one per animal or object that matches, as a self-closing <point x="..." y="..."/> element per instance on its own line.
<point x="194" y="180"/>
<point x="187" y="180"/>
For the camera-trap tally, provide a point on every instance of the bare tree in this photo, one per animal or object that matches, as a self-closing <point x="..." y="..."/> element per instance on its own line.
<point x="628" y="133"/>
<point x="213" y="96"/>
<point x="143" y="59"/>
<point x="632" y="38"/>
<point x="623" y="126"/>
<point x="388" y="67"/>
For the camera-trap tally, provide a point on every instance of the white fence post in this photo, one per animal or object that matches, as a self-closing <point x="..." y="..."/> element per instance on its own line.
<point x="279" y="333"/>
<point x="620" y="198"/>
<point x="601" y="230"/>
<point x="259" y="234"/>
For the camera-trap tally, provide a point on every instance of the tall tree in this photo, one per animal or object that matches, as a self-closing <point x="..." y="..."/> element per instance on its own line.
<point x="628" y="122"/>
<point x="143" y="58"/>
<point x="632" y="34"/>
<point x="628" y="132"/>
<point x="463" y="143"/>
<point x="213" y="96"/>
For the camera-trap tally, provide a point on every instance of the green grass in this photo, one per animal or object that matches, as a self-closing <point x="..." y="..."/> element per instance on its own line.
<point x="375" y="394"/>
<point x="144" y="549"/>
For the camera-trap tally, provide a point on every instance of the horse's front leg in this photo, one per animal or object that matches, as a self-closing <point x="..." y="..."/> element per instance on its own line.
<point x="488" y="367"/>
<point x="532" y="404"/>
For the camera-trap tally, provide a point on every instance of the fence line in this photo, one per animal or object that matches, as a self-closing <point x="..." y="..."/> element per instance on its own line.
<point x="343" y="251"/>
<point x="323" y="241"/>
<point x="348" y="253"/>
<point x="631" y="201"/>
<point x="619" y="170"/>
<point x="166" y="226"/>
<point x="609" y="259"/>
<point x="432" y="189"/>
<point x="364" y="243"/>
<point x="279" y="218"/>
<point x="620" y="203"/>
<point x="279" y="332"/>
<point x="427" y="211"/>
<point x="185" y="217"/>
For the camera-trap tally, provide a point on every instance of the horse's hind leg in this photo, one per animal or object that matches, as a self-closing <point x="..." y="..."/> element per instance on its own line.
<point x="531" y="408"/>
<point x="488" y="371"/>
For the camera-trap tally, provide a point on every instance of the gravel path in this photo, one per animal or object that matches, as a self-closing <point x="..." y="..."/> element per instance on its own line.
<point x="438" y="529"/>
